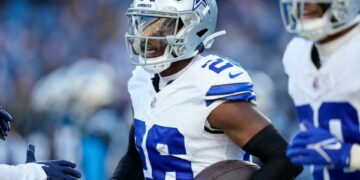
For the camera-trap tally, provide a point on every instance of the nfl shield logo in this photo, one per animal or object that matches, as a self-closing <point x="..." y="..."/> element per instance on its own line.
<point x="316" y="83"/>
<point x="153" y="103"/>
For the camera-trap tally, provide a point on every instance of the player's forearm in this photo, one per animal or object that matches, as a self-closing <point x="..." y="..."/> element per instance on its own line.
<point x="270" y="147"/>
<point x="355" y="157"/>
<point x="28" y="171"/>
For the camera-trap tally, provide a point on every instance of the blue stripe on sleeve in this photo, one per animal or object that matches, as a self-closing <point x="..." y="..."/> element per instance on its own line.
<point x="229" y="89"/>
<point x="240" y="97"/>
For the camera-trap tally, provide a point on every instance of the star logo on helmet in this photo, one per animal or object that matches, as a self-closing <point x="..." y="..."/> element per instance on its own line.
<point x="198" y="3"/>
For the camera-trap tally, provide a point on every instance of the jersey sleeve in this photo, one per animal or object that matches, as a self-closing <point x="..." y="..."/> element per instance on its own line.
<point x="29" y="171"/>
<point x="227" y="81"/>
<point x="241" y="91"/>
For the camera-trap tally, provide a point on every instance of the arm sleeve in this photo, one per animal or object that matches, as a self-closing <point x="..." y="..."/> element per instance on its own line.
<point x="270" y="147"/>
<point x="129" y="167"/>
<point x="29" y="171"/>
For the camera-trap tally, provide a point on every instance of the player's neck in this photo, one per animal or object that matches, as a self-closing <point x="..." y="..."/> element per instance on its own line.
<point x="175" y="67"/>
<point x="326" y="49"/>
<point x="337" y="35"/>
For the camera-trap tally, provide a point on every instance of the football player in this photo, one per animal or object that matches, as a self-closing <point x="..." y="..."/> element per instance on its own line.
<point x="34" y="170"/>
<point x="190" y="111"/>
<point x="322" y="65"/>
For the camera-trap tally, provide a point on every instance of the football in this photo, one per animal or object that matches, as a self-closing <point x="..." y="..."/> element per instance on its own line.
<point x="228" y="170"/>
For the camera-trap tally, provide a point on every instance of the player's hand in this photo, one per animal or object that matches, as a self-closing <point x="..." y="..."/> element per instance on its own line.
<point x="55" y="169"/>
<point x="5" y="120"/>
<point x="316" y="146"/>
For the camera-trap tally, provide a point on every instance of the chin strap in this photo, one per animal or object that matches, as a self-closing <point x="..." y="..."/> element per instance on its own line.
<point x="208" y="42"/>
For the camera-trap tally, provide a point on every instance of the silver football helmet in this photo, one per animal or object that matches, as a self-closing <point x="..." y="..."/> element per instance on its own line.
<point x="338" y="15"/>
<point x="165" y="31"/>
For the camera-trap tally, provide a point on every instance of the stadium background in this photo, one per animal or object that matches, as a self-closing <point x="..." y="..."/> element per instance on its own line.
<point x="64" y="68"/>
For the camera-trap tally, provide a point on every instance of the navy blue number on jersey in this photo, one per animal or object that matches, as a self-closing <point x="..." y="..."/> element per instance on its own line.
<point x="347" y="117"/>
<point x="218" y="66"/>
<point x="167" y="137"/>
<point x="236" y="91"/>
<point x="344" y="113"/>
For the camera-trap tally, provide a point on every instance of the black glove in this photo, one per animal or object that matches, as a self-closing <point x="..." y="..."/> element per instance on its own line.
<point x="55" y="169"/>
<point x="5" y="120"/>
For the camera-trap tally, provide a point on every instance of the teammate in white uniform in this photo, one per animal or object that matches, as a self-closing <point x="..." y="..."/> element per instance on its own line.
<point x="34" y="170"/>
<point x="323" y="67"/>
<point x="190" y="111"/>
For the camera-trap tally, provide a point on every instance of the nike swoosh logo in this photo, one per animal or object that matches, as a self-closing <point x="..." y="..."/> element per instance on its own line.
<point x="331" y="144"/>
<point x="232" y="76"/>
<point x="328" y="144"/>
<point x="335" y="146"/>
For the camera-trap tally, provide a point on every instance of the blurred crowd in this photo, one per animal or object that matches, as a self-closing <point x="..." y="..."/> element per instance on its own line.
<point x="64" y="72"/>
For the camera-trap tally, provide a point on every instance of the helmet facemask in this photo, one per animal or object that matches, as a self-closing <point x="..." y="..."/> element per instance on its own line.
<point x="155" y="39"/>
<point x="336" y="16"/>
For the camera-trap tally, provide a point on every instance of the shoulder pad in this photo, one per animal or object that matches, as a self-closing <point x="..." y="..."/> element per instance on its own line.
<point x="297" y="49"/>
<point x="224" y="79"/>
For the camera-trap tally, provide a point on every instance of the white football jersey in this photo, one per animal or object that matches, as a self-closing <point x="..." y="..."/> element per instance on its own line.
<point x="171" y="130"/>
<point x="29" y="171"/>
<point x="328" y="97"/>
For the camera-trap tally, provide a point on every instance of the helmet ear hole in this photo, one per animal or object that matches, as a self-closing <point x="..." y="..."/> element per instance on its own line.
<point x="202" y="32"/>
